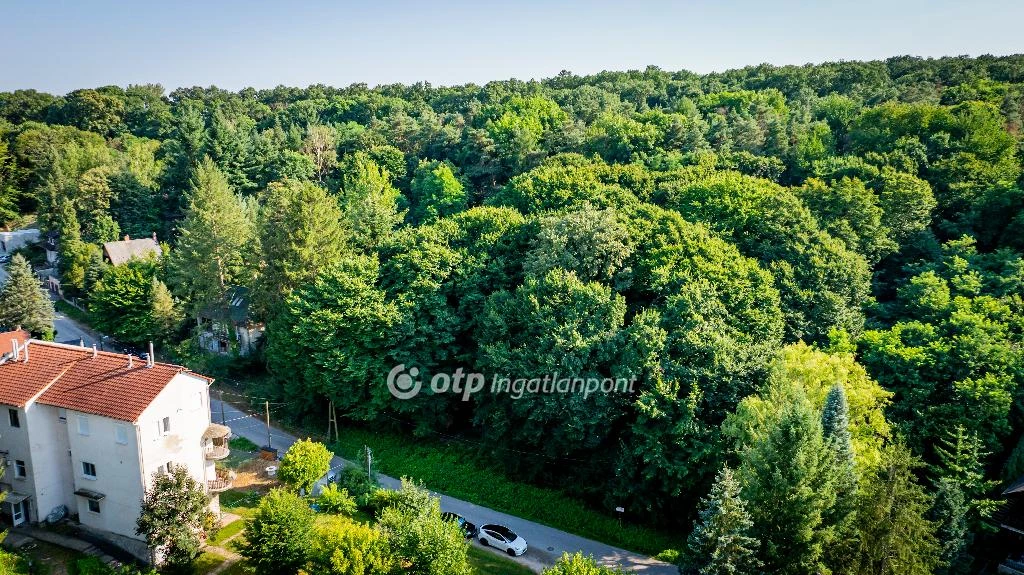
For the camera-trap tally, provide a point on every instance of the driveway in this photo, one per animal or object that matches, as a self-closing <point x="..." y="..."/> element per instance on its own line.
<point x="546" y="544"/>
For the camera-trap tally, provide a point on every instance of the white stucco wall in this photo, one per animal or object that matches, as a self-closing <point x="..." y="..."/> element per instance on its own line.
<point x="186" y="400"/>
<point x="15" y="441"/>
<point x="51" y="468"/>
<point x="117" y="472"/>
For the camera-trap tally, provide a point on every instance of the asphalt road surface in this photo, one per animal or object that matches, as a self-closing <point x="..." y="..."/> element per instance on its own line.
<point x="546" y="544"/>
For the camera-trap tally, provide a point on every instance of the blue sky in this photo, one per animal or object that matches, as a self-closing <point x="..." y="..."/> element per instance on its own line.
<point x="59" y="46"/>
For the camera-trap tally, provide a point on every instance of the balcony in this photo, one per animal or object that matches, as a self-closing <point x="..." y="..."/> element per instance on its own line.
<point x="221" y="483"/>
<point x="215" y="452"/>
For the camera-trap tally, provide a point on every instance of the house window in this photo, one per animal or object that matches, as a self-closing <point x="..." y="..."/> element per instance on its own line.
<point x="19" y="468"/>
<point x="88" y="470"/>
<point x="94" y="506"/>
<point x="83" y="425"/>
<point x="13" y="415"/>
<point x="165" y="425"/>
<point x="121" y="434"/>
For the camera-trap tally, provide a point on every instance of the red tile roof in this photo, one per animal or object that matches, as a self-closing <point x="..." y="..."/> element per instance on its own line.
<point x="70" y="377"/>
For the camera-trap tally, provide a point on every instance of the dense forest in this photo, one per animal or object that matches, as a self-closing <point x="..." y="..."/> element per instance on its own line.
<point x="815" y="273"/>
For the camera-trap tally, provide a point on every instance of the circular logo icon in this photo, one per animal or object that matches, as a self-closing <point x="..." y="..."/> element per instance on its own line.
<point x="404" y="385"/>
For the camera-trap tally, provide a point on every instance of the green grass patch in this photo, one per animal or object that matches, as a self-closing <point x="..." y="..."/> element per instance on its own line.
<point x="454" y="470"/>
<point x="242" y="444"/>
<point x="485" y="562"/>
<point x="207" y="562"/>
<point x="228" y="531"/>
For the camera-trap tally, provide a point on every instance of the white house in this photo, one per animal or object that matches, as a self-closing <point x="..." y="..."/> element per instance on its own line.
<point x="89" y="430"/>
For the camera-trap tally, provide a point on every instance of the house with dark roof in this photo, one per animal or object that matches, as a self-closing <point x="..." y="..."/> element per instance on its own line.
<point x="85" y="433"/>
<point x="229" y="326"/>
<point x="117" y="253"/>
<point x="1010" y="519"/>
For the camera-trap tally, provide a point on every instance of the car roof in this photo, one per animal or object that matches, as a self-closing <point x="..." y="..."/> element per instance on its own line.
<point x="500" y="529"/>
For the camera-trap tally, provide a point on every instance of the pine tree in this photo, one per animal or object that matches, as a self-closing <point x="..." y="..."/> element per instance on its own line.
<point x="788" y="479"/>
<point x="719" y="543"/>
<point x="896" y="538"/>
<point x="23" y="302"/>
<point x="215" y="244"/>
<point x="950" y="514"/>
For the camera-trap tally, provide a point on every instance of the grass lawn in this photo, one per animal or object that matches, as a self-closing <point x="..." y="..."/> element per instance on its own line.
<point x="484" y="562"/>
<point x="454" y="470"/>
<point x="207" y="562"/>
<point x="228" y="531"/>
<point x="237" y="568"/>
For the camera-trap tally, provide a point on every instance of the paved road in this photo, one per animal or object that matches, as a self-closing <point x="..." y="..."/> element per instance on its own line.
<point x="546" y="544"/>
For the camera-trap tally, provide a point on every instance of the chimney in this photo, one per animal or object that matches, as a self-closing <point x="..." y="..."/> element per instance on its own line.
<point x="25" y="347"/>
<point x="127" y="237"/>
<point x="15" y="349"/>
<point x="149" y="360"/>
<point x="129" y="361"/>
<point x="81" y="342"/>
<point x="154" y="237"/>
<point x="94" y="351"/>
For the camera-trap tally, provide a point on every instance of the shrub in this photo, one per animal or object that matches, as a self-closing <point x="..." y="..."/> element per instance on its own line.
<point x="304" y="463"/>
<point x="336" y="500"/>
<point x="277" y="536"/>
<point x="358" y="484"/>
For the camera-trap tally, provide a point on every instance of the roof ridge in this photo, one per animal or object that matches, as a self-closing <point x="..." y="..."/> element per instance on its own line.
<point x="56" y="378"/>
<point x="104" y="353"/>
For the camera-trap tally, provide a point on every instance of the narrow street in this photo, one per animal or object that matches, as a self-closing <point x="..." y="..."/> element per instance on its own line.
<point x="546" y="544"/>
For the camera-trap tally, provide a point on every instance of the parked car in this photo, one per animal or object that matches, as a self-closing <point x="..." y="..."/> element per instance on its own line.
<point x="501" y="537"/>
<point x="468" y="528"/>
<point x="4" y="258"/>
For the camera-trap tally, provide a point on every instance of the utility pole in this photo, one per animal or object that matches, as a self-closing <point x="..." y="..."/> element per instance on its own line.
<point x="267" y="404"/>
<point x="332" y="423"/>
<point x="220" y="395"/>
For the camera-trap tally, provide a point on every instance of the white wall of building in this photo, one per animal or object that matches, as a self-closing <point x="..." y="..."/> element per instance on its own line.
<point x="15" y="441"/>
<point x="51" y="459"/>
<point x="94" y="439"/>
<point x="186" y="401"/>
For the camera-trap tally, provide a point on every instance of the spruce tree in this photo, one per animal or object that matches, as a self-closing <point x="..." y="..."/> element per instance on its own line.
<point x="896" y="537"/>
<point x="216" y="242"/>
<point x="23" y="302"/>
<point x="301" y="234"/>
<point x="720" y="543"/>
<point x="788" y="479"/>
<point x="961" y="458"/>
<point x="835" y="423"/>
<point x="165" y="316"/>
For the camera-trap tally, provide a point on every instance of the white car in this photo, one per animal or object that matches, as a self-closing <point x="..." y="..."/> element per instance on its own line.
<point x="501" y="537"/>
